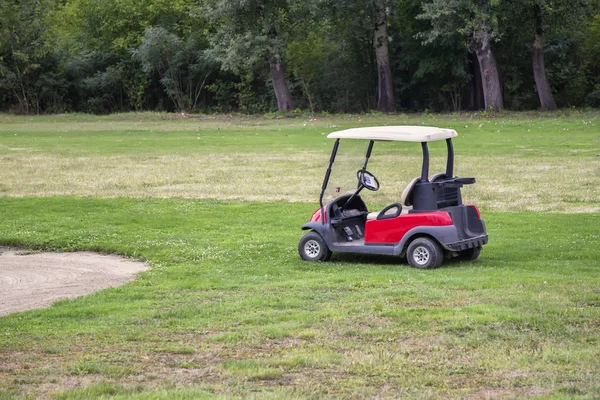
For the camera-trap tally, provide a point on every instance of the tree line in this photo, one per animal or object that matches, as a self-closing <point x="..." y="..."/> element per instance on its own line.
<point x="258" y="56"/>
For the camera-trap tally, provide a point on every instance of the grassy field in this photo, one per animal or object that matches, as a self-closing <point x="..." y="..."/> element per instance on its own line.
<point x="229" y="310"/>
<point x="522" y="162"/>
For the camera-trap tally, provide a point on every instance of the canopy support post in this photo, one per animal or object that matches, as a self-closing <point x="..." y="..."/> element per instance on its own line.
<point x="450" y="162"/>
<point x="425" y="169"/>
<point x="326" y="180"/>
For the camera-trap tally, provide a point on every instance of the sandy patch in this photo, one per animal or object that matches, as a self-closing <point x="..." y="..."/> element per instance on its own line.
<point x="37" y="280"/>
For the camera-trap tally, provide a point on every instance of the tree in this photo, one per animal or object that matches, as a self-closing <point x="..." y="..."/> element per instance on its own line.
<point x="370" y="19"/>
<point x="551" y="16"/>
<point x="107" y="56"/>
<point x="182" y="65"/>
<point x="435" y="75"/>
<point x="385" y="92"/>
<point x="532" y="25"/>
<point x="477" y="22"/>
<point x="592" y="54"/>
<point x="540" y="9"/>
<point x="97" y="38"/>
<point x="307" y="57"/>
<point x="351" y="72"/>
<point x="23" y="51"/>
<point x="251" y="34"/>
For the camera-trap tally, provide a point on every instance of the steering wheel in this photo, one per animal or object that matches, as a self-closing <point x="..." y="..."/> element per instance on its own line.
<point x="367" y="180"/>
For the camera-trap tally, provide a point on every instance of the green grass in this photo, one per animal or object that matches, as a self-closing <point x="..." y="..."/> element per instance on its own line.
<point x="517" y="134"/>
<point x="228" y="309"/>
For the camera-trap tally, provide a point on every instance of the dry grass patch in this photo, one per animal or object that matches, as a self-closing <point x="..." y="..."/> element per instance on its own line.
<point x="504" y="183"/>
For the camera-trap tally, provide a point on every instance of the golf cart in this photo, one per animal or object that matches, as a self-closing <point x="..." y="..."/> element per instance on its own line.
<point x="429" y="222"/>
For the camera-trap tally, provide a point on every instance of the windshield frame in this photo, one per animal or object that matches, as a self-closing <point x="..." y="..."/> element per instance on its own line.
<point x="330" y="167"/>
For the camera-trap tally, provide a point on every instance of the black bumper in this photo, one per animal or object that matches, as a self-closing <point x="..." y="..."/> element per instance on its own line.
<point x="466" y="244"/>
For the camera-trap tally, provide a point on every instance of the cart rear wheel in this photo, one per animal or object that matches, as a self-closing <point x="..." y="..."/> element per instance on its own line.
<point x="424" y="253"/>
<point x="312" y="247"/>
<point x="470" y="255"/>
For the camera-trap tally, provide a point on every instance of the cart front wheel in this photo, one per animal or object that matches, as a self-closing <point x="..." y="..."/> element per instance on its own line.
<point x="312" y="247"/>
<point x="424" y="253"/>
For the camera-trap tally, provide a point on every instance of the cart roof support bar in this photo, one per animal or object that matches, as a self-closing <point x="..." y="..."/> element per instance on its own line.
<point x="450" y="162"/>
<point x="425" y="170"/>
<point x="369" y="149"/>
<point x="326" y="180"/>
<point x="371" y="143"/>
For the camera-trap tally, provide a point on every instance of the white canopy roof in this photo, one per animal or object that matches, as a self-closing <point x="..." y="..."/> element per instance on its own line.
<point x="396" y="133"/>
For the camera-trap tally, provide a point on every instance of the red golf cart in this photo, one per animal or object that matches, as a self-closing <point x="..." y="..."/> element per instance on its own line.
<point x="429" y="222"/>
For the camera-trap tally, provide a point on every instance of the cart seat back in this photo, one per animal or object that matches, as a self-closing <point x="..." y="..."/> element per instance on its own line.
<point x="406" y="198"/>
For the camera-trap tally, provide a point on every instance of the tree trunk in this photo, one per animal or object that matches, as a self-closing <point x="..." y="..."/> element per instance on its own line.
<point x="310" y="103"/>
<point x="492" y="90"/>
<point x="282" y="93"/>
<point x="476" y="100"/>
<point x="541" y="79"/>
<point x="385" y="89"/>
<point x="539" y="70"/>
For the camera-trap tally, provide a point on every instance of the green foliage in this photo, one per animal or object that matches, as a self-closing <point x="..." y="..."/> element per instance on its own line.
<point x="566" y="72"/>
<point x="101" y="56"/>
<point x="332" y="57"/>
<point x="248" y="34"/>
<point x="470" y="18"/>
<point x="115" y="26"/>
<point x="425" y="68"/>
<point x="224" y="93"/>
<point x="99" y="39"/>
<point x="308" y="58"/>
<point x="182" y="64"/>
<point x="559" y="23"/>
<point x="26" y="62"/>
<point x="591" y="55"/>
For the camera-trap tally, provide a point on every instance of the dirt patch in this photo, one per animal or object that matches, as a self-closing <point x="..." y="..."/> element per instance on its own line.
<point x="37" y="280"/>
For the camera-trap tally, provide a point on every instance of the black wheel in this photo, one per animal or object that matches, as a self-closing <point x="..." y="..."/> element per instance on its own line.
<point x="470" y="255"/>
<point x="312" y="247"/>
<point x="424" y="253"/>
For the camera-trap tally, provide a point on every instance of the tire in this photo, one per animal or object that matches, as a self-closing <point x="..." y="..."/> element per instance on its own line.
<point x="470" y="255"/>
<point x="312" y="247"/>
<point x="424" y="253"/>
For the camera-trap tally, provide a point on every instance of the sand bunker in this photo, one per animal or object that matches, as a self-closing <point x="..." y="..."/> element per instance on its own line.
<point x="37" y="280"/>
